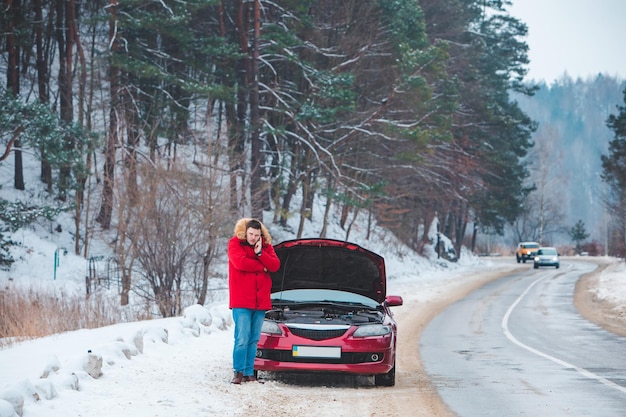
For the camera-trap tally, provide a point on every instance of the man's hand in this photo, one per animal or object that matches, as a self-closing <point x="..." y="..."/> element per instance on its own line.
<point x="258" y="246"/>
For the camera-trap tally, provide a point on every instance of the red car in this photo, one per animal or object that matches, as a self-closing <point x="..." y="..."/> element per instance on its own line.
<point x="330" y="312"/>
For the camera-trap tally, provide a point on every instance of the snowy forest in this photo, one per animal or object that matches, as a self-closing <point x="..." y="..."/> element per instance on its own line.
<point x="566" y="165"/>
<point x="158" y="123"/>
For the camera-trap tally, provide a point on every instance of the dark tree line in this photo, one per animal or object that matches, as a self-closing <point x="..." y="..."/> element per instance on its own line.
<point x="614" y="175"/>
<point x="400" y="108"/>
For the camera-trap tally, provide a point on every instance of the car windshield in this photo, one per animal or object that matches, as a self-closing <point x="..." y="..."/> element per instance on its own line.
<point x="547" y="251"/>
<point x="317" y="295"/>
<point x="531" y="246"/>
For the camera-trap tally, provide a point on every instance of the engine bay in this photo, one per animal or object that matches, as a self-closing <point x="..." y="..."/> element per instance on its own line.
<point x="325" y="314"/>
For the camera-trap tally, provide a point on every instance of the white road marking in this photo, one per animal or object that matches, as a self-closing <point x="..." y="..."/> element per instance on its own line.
<point x="582" y="371"/>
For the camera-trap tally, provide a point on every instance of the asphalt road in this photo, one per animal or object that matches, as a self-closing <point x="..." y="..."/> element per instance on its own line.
<point x="518" y="347"/>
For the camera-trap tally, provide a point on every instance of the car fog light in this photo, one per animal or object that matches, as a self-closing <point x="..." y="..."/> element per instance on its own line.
<point x="374" y="357"/>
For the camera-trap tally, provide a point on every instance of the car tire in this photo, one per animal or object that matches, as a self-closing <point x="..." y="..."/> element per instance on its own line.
<point x="518" y="259"/>
<point x="557" y="267"/>
<point x="386" y="380"/>
<point x="536" y="266"/>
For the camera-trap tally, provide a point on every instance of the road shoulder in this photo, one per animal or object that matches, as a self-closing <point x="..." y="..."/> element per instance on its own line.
<point x="605" y="314"/>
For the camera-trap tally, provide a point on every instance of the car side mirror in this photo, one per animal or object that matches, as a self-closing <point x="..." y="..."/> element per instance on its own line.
<point x="393" y="300"/>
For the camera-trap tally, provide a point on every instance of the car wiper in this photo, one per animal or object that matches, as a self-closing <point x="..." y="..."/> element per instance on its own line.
<point x="350" y="304"/>
<point x="282" y="301"/>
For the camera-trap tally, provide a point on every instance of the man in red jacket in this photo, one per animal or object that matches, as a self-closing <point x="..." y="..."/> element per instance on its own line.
<point x="251" y="258"/>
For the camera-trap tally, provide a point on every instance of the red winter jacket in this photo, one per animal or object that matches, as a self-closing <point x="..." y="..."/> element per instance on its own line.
<point x="249" y="280"/>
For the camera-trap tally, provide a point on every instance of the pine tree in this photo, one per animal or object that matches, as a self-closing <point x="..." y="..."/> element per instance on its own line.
<point x="578" y="235"/>
<point x="614" y="174"/>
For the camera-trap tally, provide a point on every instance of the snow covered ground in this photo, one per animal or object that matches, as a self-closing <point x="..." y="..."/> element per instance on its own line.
<point x="182" y="366"/>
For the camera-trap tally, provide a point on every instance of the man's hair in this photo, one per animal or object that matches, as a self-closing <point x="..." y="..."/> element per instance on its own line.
<point x="253" y="223"/>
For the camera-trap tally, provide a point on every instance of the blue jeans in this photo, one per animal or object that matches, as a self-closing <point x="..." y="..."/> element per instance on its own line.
<point x="248" y="325"/>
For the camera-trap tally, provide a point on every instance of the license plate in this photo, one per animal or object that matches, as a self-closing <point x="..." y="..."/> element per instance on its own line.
<point x="316" y="352"/>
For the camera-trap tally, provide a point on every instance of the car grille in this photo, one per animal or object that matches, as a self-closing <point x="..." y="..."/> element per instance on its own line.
<point x="317" y="334"/>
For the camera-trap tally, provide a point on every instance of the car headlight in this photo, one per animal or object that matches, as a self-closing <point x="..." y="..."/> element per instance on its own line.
<point x="372" y="330"/>
<point x="270" y="327"/>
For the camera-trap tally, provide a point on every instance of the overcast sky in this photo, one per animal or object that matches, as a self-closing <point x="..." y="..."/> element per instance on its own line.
<point x="582" y="37"/>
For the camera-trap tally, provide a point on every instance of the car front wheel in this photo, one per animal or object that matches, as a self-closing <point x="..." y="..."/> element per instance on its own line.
<point x="386" y="380"/>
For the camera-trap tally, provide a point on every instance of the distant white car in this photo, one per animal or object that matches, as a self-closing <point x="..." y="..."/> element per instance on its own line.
<point x="546" y="257"/>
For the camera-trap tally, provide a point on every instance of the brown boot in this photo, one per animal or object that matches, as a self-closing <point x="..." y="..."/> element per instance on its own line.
<point x="237" y="378"/>
<point x="252" y="378"/>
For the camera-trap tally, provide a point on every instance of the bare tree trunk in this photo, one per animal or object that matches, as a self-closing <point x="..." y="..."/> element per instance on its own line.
<point x="260" y="197"/>
<point x="15" y="17"/>
<point x="329" y="202"/>
<point x="370" y="216"/>
<point x="204" y="287"/>
<point x="310" y="195"/>
<point x="64" y="15"/>
<point x="461" y="227"/>
<point x="345" y="210"/>
<point x="474" y="236"/>
<point x="125" y="293"/>
<point x="235" y="148"/>
<point x="81" y="177"/>
<point x="91" y="160"/>
<point x="106" y="207"/>
<point x="235" y="154"/>
<point x="130" y="156"/>
<point x="429" y="217"/>
<point x="292" y="186"/>
<point x="306" y="186"/>
<point x="349" y="229"/>
<point x="238" y="116"/>
<point x="43" y="86"/>
<point x="124" y="252"/>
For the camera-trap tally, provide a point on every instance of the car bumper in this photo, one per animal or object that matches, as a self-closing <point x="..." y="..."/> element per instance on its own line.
<point x="362" y="368"/>
<point x="546" y="261"/>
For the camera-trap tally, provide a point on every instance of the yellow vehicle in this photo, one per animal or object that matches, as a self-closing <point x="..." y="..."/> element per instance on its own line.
<point x="526" y="250"/>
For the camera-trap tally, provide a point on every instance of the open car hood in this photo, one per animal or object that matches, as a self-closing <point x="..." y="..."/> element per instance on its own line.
<point x="329" y="264"/>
